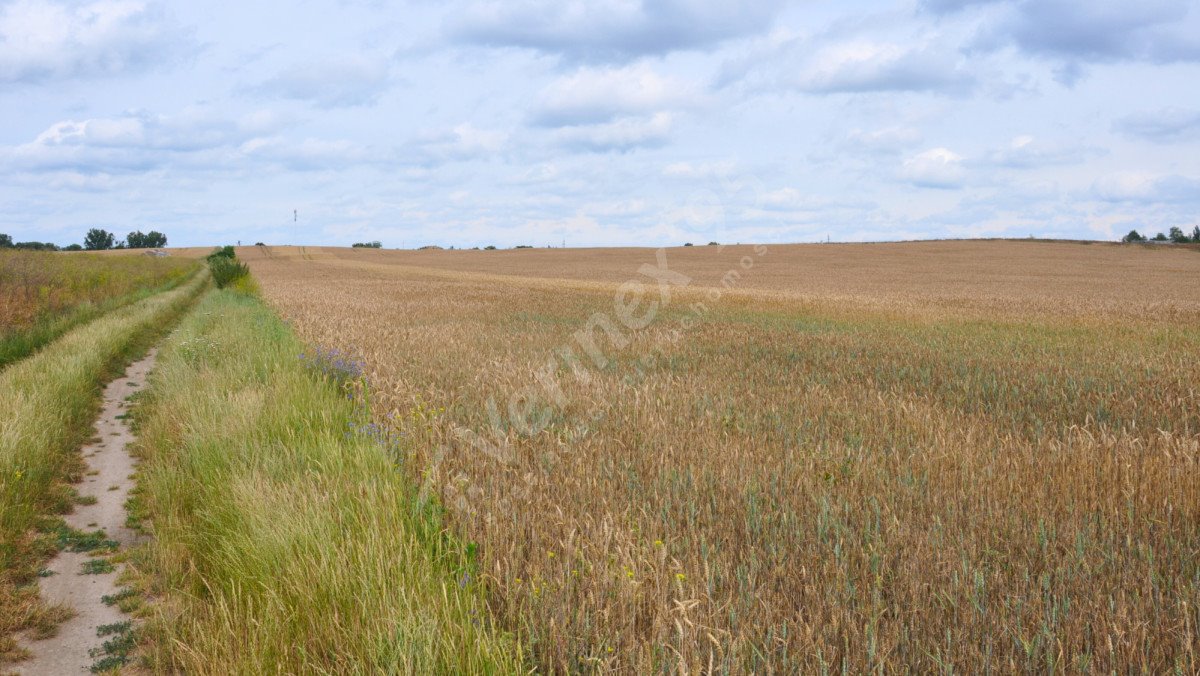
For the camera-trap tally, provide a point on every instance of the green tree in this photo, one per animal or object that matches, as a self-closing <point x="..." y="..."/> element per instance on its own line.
<point x="98" y="240"/>
<point x="5" y="241"/>
<point x="1196" y="234"/>
<point x="1177" y="235"/>
<point x="1160" y="238"/>
<point x="1133" y="236"/>
<point x="151" y="240"/>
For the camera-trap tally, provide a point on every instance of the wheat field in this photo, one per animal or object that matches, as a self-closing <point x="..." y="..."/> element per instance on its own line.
<point x="929" y="456"/>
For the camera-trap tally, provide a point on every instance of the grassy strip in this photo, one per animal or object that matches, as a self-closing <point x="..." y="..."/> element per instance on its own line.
<point x="284" y="541"/>
<point x="23" y="342"/>
<point x="49" y="401"/>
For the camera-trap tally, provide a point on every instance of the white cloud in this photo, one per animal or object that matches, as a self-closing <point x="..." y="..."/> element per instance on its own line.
<point x="866" y="66"/>
<point x="42" y="40"/>
<point x="832" y="64"/>
<point x="597" y="95"/>
<point x="136" y="142"/>
<point x="333" y="82"/>
<point x="610" y="30"/>
<point x="1103" y="31"/>
<point x="1028" y="152"/>
<point x="699" y="170"/>
<point x="1167" y="125"/>
<point x="1144" y="187"/>
<point x="889" y="140"/>
<point x="623" y="134"/>
<point x="462" y="142"/>
<point x="934" y="168"/>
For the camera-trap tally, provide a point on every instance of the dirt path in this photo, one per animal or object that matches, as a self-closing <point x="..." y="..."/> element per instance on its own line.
<point x="109" y="480"/>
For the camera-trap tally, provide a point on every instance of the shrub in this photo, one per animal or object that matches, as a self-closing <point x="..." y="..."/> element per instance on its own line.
<point x="222" y="252"/>
<point x="226" y="270"/>
<point x="245" y="284"/>
<point x="490" y="247"/>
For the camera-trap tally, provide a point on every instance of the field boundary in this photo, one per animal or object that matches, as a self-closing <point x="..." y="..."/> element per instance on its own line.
<point x="50" y="400"/>
<point x="274" y="506"/>
<point x="23" y="344"/>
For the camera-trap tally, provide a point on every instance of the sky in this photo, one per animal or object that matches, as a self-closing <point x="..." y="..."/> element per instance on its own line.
<point x="611" y="122"/>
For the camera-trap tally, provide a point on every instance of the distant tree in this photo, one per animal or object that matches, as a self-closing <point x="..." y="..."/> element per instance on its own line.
<point x="72" y="247"/>
<point x="1176" y="235"/>
<point x="713" y="244"/>
<point x="1196" y="234"/>
<point x="36" y="246"/>
<point x="1133" y="236"/>
<point x="98" y="240"/>
<point x="687" y="244"/>
<point x="150" y="240"/>
<point x="5" y="241"/>
<point x="259" y="244"/>
<point x="1160" y="238"/>
<point x="367" y="245"/>
<point x="523" y="246"/>
<point x="490" y="247"/>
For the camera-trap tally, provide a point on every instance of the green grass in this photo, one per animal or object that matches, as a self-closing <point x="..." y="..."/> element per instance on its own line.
<point x="48" y="402"/>
<point x="283" y="542"/>
<point x="46" y="295"/>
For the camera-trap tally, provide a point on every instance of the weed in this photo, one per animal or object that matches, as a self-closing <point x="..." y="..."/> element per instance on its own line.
<point x="97" y="567"/>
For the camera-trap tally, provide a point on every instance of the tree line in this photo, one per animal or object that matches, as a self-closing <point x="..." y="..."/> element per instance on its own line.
<point x="96" y="239"/>
<point x="1175" y="235"/>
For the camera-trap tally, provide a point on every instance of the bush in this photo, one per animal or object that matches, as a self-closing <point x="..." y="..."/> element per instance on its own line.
<point x="226" y="270"/>
<point x="490" y="247"/>
<point x="226" y="252"/>
<point x="367" y="245"/>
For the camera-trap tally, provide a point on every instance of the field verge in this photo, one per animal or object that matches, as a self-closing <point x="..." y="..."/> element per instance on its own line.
<point x="49" y="401"/>
<point x="44" y="295"/>
<point x="284" y="538"/>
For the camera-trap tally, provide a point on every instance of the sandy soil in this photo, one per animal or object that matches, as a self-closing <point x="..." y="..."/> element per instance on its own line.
<point x="109" y="479"/>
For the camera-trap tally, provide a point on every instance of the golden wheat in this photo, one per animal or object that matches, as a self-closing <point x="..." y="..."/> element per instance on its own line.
<point x="899" y="457"/>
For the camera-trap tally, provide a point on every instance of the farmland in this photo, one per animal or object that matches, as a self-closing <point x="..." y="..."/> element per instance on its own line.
<point x="44" y="294"/>
<point x="904" y="457"/>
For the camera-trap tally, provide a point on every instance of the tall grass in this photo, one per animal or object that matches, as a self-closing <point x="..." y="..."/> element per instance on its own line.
<point x="48" y="402"/>
<point x="285" y="541"/>
<point x="43" y="295"/>
<point x="794" y="484"/>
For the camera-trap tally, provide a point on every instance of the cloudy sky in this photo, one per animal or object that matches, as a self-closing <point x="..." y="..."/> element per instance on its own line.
<point x="649" y="122"/>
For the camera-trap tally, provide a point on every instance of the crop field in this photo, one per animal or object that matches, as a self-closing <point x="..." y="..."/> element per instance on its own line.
<point x="928" y="457"/>
<point x="42" y="294"/>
